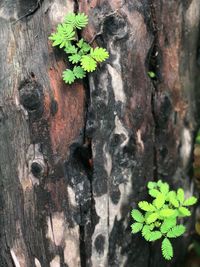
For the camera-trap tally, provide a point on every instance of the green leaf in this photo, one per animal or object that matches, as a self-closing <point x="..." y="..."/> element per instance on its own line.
<point x="164" y="188"/>
<point x="151" y="185"/>
<point x="136" y="227"/>
<point x="63" y="36"/>
<point x="99" y="54"/>
<point x="151" y="226"/>
<point x="144" y="205"/>
<point x="137" y="216"/>
<point x="70" y="19"/>
<point x="176" y="231"/>
<point x="152" y="218"/>
<point x="146" y="233"/>
<point x="88" y="63"/>
<point x="159" y="201"/>
<point x="171" y="194"/>
<point x="68" y="76"/>
<point x="78" y="21"/>
<point x="151" y="74"/>
<point x="84" y="47"/>
<point x="180" y="195"/>
<point x="167" y="249"/>
<point x="190" y="201"/>
<point x="150" y="235"/>
<point x="159" y="183"/>
<point x="174" y="202"/>
<point x="155" y="235"/>
<point x="166" y="213"/>
<point x="81" y="20"/>
<point x="167" y="224"/>
<point x="75" y="58"/>
<point x="184" y="211"/>
<point x="71" y="49"/>
<point x="153" y="192"/>
<point x="79" y="72"/>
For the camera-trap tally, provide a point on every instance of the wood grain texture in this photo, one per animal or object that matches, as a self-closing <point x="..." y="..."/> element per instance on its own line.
<point x="76" y="159"/>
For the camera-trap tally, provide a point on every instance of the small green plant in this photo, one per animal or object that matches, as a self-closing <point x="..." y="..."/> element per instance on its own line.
<point x="80" y="53"/>
<point x="161" y="218"/>
<point x="151" y="74"/>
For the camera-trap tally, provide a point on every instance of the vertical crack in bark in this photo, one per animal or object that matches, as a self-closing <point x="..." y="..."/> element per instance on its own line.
<point x="82" y="242"/>
<point x="76" y="6"/>
<point x="84" y="251"/>
<point x="153" y="66"/>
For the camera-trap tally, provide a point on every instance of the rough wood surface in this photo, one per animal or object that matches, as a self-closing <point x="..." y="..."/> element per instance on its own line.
<point x="75" y="159"/>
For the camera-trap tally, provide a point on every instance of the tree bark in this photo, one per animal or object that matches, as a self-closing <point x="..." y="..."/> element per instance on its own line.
<point x="76" y="159"/>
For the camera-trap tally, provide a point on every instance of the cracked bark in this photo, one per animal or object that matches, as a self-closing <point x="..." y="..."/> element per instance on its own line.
<point x="76" y="159"/>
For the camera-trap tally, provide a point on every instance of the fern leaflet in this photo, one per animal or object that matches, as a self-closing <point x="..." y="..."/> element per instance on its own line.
<point x="68" y="76"/>
<point x="190" y="201"/>
<point x="167" y="249"/>
<point x="79" y="72"/>
<point x="176" y="231"/>
<point x="88" y="63"/>
<point x="99" y="54"/>
<point x="136" y="227"/>
<point x="137" y="216"/>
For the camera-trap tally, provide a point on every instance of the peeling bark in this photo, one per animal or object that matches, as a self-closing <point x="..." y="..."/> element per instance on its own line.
<point x="76" y="159"/>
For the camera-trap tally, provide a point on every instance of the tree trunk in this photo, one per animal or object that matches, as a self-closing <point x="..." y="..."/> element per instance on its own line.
<point x="76" y="159"/>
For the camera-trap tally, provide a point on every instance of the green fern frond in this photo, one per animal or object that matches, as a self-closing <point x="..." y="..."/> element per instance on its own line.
<point x="71" y="49"/>
<point x="146" y="232"/>
<point x="155" y="235"/>
<point x="164" y="188"/>
<point x="184" y="211"/>
<point x="159" y="201"/>
<point x="153" y="192"/>
<point x="144" y="205"/>
<point x="136" y="227"/>
<point x="63" y="35"/>
<point x="159" y="183"/>
<point x="99" y="54"/>
<point x="171" y="194"/>
<point x="176" y="231"/>
<point x="79" y="72"/>
<point x="84" y="49"/>
<point x="70" y="19"/>
<point x="167" y="225"/>
<point x="174" y="202"/>
<point x="88" y="63"/>
<point x="78" y="21"/>
<point x="152" y="217"/>
<point x="190" y="201"/>
<point x="75" y="58"/>
<point x="81" y="20"/>
<point x="151" y="185"/>
<point x="180" y="195"/>
<point x="137" y="216"/>
<point x="167" y="249"/>
<point x="68" y="76"/>
<point x="150" y="235"/>
<point x="166" y="213"/>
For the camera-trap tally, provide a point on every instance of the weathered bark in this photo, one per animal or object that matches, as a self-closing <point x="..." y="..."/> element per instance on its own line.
<point x="76" y="159"/>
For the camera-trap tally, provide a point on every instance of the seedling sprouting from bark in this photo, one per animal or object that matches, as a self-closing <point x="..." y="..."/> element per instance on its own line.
<point x="161" y="218"/>
<point x="80" y="53"/>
